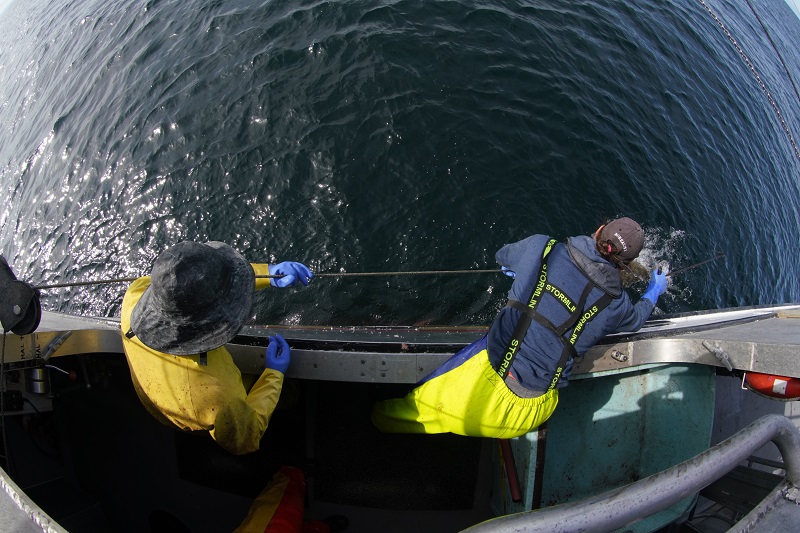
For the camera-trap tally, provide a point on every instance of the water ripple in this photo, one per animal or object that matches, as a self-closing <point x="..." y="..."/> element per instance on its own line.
<point x="393" y="136"/>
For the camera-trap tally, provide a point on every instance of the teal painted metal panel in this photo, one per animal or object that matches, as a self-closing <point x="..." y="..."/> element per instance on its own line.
<point x="612" y="430"/>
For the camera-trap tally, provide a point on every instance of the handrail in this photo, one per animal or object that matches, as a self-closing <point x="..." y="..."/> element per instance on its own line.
<point x="619" y="507"/>
<point x="20" y="513"/>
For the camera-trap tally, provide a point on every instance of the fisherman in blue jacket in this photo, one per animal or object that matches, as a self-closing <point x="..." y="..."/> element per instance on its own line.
<point x="565" y="297"/>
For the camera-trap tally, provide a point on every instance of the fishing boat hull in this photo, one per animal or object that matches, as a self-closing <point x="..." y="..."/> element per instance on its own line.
<point x="85" y="451"/>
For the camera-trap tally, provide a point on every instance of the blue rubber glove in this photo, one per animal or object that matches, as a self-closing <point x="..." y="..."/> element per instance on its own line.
<point x="293" y="273"/>
<point x="657" y="285"/>
<point x="508" y="272"/>
<point x="278" y="354"/>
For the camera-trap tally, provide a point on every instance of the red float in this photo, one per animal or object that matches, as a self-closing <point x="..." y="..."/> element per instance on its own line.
<point x="779" y="387"/>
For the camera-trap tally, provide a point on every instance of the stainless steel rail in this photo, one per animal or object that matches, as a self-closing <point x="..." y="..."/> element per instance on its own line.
<point x="20" y="514"/>
<point x="622" y="506"/>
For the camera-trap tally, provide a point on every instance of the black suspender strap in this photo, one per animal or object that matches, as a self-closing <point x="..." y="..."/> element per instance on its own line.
<point x="525" y="310"/>
<point x="525" y="320"/>
<point x="521" y="307"/>
<point x="576" y="321"/>
<point x="573" y="318"/>
<point x="569" y="345"/>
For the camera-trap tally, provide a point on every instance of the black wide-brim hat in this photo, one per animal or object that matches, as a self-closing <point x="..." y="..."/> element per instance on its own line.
<point x="199" y="297"/>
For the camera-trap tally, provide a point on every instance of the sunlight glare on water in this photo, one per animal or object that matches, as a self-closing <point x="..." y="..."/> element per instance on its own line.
<point x="359" y="137"/>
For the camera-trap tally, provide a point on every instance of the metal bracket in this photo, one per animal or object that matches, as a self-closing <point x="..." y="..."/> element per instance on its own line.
<point x="721" y="355"/>
<point x="619" y="356"/>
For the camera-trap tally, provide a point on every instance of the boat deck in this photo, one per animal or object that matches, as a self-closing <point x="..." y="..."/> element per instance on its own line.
<point x="89" y="450"/>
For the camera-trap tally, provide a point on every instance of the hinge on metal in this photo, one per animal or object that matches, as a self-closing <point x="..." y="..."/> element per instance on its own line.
<point x="619" y="356"/>
<point x="721" y="355"/>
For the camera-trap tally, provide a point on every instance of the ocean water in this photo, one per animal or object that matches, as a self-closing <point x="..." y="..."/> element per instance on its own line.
<point x="373" y="136"/>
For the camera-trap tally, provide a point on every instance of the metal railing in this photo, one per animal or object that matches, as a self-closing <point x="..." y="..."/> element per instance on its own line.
<point x="619" y="507"/>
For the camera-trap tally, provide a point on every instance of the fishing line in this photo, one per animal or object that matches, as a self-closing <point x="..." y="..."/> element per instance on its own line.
<point x="758" y="78"/>
<point x="408" y="273"/>
<point x="639" y="273"/>
<point x="81" y="283"/>
<point x="719" y="254"/>
<point x="345" y="274"/>
<point x="320" y="275"/>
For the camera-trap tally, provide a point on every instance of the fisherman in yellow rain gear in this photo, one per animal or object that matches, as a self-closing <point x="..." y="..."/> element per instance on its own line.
<point x="175" y="324"/>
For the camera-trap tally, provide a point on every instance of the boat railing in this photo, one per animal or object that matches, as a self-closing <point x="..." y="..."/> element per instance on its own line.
<point x="19" y="513"/>
<point x="622" y="506"/>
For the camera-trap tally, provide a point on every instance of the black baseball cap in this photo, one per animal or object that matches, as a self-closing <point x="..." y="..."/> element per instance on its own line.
<point x="623" y="238"/>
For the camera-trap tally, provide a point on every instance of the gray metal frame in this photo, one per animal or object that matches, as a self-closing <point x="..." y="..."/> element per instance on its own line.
<point x="768" y="343"/>
<point x="19" y="513"/>
<point x="622" y="506"/>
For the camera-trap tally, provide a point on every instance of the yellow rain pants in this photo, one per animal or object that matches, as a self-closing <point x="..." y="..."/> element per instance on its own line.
<point x="469" y="399"/>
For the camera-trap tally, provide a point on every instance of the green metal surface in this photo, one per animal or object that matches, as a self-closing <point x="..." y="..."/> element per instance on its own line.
<point x="611" y="430"/>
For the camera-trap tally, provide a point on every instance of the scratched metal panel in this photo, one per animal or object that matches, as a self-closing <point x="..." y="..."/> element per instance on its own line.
<point x="367" y="367"/>
<point x="770" y="346"/>
<point x="29" y="347"/>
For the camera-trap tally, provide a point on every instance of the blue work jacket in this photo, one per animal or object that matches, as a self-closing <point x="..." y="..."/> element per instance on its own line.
<point x="570" y="267"/>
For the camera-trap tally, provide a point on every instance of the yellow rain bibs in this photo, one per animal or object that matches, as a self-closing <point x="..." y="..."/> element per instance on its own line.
<point x="469" y="399"/>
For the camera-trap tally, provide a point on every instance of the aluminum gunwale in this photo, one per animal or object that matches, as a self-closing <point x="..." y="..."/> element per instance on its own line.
<point x="760" y="339"/>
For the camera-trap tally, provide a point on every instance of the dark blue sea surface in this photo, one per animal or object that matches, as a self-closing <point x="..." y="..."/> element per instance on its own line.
<point x="367" y="136"/>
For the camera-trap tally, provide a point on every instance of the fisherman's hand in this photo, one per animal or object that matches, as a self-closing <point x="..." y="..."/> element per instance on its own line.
<point x="293" y="273"/>
<point x="278" y="354"/>
<point x="508" y="272"/>
<point x="657" y="285"/>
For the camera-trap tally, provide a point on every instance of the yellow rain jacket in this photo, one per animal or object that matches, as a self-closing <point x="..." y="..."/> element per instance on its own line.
<point x="179" y="391"/>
